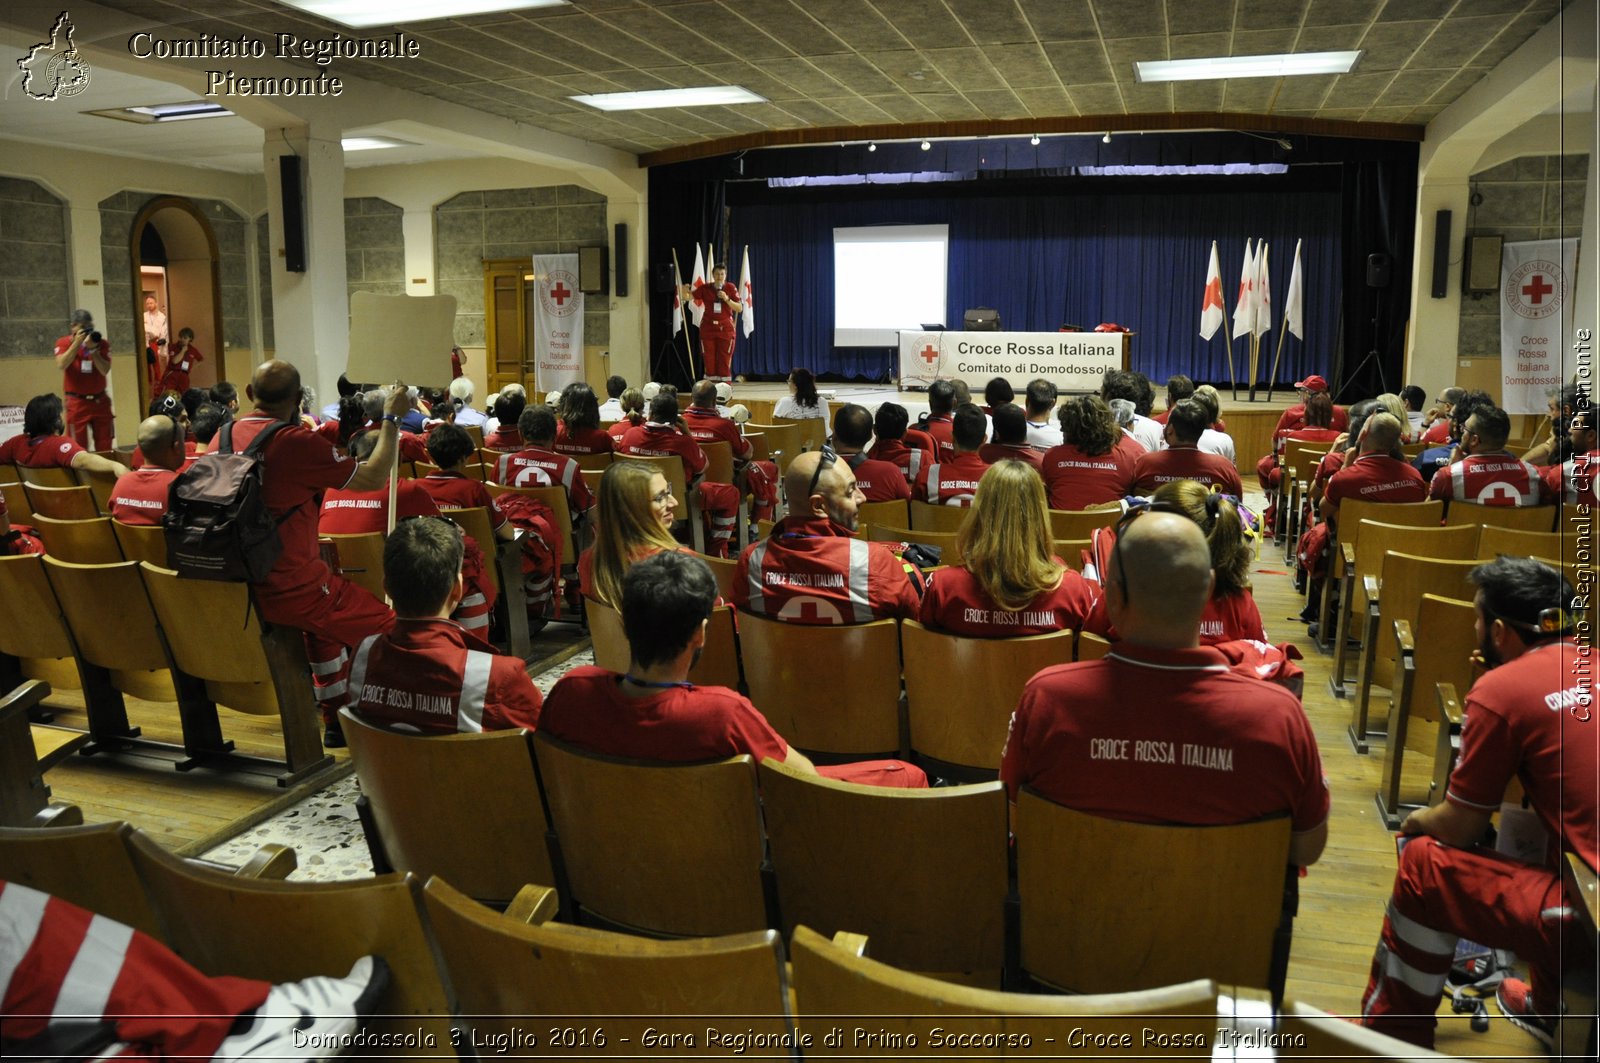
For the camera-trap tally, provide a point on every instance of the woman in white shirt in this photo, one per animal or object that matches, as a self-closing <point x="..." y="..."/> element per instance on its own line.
<point x="802" y="402"/>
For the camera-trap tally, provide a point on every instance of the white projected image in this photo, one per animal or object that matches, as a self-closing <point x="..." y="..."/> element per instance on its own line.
<point x="887" y="278"/>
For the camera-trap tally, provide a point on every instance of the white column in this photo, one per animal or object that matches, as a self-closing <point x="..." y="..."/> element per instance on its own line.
<point x="311" y="310"/>
<point x="1434" y="331"/>
<point x="416" y="226"/>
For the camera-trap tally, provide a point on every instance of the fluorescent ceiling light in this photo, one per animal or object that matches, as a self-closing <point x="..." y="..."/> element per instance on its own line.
<point x="705" y="96"/>
<point x="165" y="112"/>
<point x="373" y="143"/>
<point x="1246" y="66"/>
<point x="359" y="14"/>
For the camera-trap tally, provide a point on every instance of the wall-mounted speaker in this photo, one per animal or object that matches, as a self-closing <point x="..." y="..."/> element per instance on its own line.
<point x="1378" y="270"/>
<point x="1441" y="252"/>
<point x="619" y="255"/>
<point x="592" y="271"/>
<point x="291" y="188"/>
<point x="1480" y="272"/>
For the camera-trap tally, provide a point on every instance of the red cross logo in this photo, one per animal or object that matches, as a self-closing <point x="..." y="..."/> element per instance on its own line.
<point x="560" y="293"/>
<point x="806" y="609"/>
<point x="929" y="355"/>
<point x="1537" y="289"/>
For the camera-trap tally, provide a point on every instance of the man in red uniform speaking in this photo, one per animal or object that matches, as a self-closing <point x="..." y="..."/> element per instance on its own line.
<point x="1531" y="717"/>
<point x="84" y="358"/>
<point x="720" y="301"/>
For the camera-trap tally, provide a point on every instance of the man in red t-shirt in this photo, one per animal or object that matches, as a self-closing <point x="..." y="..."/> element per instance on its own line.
<point x="301" y="591"/>
<point x="720" y="301"/>
<point x="84" y="358"/>
<point x="1572" y="482"/>
<point x="429" y="673"/>
<point x="941" y="416"/>
<point x="893" y="442"/>
<point x="140" y="497"/>
<point x="1530" y="718"/>
<point x="879" y="481"/>
<point x="178" y="362"/>
<point x="1183" y="459"/>
<point x="1437" y="419"/>
<point x="811" y="569"/>
<point x="43" y="446"/>
<point x="653" y="713"/>
<point x="1223" y="749"/>
<point x="1486" y="473"/>
<point x="953" y="480"/>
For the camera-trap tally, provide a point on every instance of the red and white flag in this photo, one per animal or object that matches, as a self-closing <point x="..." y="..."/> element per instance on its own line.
<point x="1211" y="316"/>
<point x="1244" y="310"/>
<point x="1294" y="310"/>
<point x="747" y="317"/>
<point x="677" y="297"/>
<point x="1263" y="291"/>
<point x="697" y="309"/>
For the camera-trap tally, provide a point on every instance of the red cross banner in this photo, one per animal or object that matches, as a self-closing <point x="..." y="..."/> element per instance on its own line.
<point x="1535" y="310"/>
<point x="557" y="322"/>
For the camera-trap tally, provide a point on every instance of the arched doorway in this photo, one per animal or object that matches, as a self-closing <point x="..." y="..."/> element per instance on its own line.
<point x="174" y="256"/>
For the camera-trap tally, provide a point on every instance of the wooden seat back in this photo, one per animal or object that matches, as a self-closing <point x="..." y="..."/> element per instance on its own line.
<point x="813" y="430"/>
<point x="758" y="445"/>
<point x="142" y="542"/>
<point x="1336" y="628"/>
<point x="949" y="551"/>
<point x="722" y="568"/>
<point x="84" y="542"/>
<point x="26" y="753"/>
<point x="1310" y="1033"/>
<point x="476" y="525"/>
<point x="1435" y="646"/>
<point x="719" y="462"/>
<point x="1082" y="523"/>
<point x="927" y="517"/>
<point x="719" y="661"/>
<point x="1090" y="647"/>
<point x="1495" y="540"/>
<point x="121" y="637"/>
<point x="1522" y="518"/>
<point x="554" y="496"/>
<point x="1116" y="906"/>
<point x="1071" y="552"/>
<point x="835" y="979"/>
<point x="475" y="431"/>
<point x="100" y="485"/>
<point x="285" y="931"/>
<point x="594" y="462"/>
<point x="960" y="692"/>
<point x="471" y="470"/>
<point x="920" y="872"/>
<point x="25" y="591"/>
<point x="50" y="476"/>
<point x="361" y="560"/>
<point x="425" y="802"/>
<point x="783" y="441"/>
<point x="670" y="466"/>
<point x="893" y="513"/>
<point x="504" y="971"/>
<point x="87" y="865"/>
<point x="62" y="503"/>
<point x="1376" y="539"/>
<point x="667" y="849"/>
<point x="18" y="510"/>
<point x="858" y="718"/>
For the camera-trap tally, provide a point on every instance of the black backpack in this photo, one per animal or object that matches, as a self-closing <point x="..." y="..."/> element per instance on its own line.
<point x="217" y="523"/>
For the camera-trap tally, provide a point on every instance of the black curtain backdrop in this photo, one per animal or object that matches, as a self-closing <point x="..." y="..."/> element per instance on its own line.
<point x="1062" y="249"/>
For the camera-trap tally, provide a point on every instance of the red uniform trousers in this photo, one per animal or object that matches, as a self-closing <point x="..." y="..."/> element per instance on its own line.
<point x="761" y="480"/>
<point x="1441" y="893"/>
<point x="717" y="352"/>
<point x="1268" y="473"/>
<point x="720" y="503"/>
<point x="84" y="414"/>
<point x="334" y="618"/>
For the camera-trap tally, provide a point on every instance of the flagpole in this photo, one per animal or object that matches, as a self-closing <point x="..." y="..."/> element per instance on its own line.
<point x="1255" y="362"/>
<point x="1233" y="381"/>
<point x="1273" y="378"/>
<point x="678" y="272"/>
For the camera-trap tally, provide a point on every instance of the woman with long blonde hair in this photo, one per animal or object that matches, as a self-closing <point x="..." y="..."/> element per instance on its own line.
<point x="1011" y="582"/>
<point x="1231" y="614"/>
<point x="633" y="519"/>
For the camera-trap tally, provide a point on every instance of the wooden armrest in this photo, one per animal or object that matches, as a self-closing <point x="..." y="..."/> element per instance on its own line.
<point x="534" y="905"/>
<point x="1449" y="705"/>
<point x="853" y="943"/>
<point x="58" y="816"/>
<point x="1582" y="877"/>
<point x="1371" y="585"/>
<point x="24" y="697"/>
<point x="1402" y="637"/>
<point x="1347" y="552"/>
<point x="272" y="861"/>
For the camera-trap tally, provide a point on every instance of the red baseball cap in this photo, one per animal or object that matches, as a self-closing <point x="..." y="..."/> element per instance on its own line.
<point x="1312" y="383"/>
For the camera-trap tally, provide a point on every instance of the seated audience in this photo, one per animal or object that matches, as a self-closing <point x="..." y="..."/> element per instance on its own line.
<point x="893" y="444"/>
<point x="632" y="402"/>
<point x="1135" y="387"/>
<point x="350" y="512"/>
<point x="467" y="416"/>
<point x="802" y="403"/>
<point x="633" y="520"/>
<point x="879" y="481"/>
<point x="1430" y="461"/>
<point x="1552" y="446"/>
<point x="1414" y="399"/>
<point x="1317" y="428"/>
<point x="1182" y="459"/>
<point x="449" y="447"/>
<point x="1294" y="417"/>
<point x="1214" y="440"/>
<point x="429" y="674"/>
<point x="1572" y="482"/>
<point x="997" y="393"/>
<point x="203" y="426"/>
<point x="952" y="481"/>
<point x="168" y="404"/>
<point x="223" y="393"/>
<point x="1042" y="432"/>
<point x="1010" y="582"/>
<point x="652" y="712"/>
<point x="508" y="409"/>
<point x="1179" y="387"/>
<point x="1436" y="421"/>
<point x="1010" y="427"/>
<point x="941" y="412"/>
<point x="811" y="569"/>
<point x="536" y="464"/>
<point x="1528" y="719"/>
<point x="1485" y="472"/>
<point x="664" y="436"/>
<point x="140" y="497"/>
<point x="611" y="409"/>
<point x="44" y="443"/>
<point x="1087" y="469"/>
<point x="580" y="431"/>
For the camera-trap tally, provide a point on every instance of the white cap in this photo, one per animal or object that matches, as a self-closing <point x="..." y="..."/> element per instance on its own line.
<point x="553" y="398"/>
<point x="724" y="392"/>
<point x="739" y="412"/>
<point x="650" y="390"/>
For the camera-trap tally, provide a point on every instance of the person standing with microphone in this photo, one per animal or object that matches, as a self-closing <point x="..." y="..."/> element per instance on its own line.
<point x="720" y="300"/>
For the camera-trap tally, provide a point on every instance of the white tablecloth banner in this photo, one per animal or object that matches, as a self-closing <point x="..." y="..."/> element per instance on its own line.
<point x="557" y="322"/>
<point x="1073" y="361"/>
<point x="1535" y="310"/>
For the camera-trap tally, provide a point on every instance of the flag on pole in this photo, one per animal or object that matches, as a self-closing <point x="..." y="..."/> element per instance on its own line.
<point x="747" y="317"/>
<point x="697" y="309"/>
<point x="677" y="298"/>
<point x="1294" y="302"/>
<point x="1211" y="305"/>
<point x="1263" y="292"/>
<point x="1244" y="308"/>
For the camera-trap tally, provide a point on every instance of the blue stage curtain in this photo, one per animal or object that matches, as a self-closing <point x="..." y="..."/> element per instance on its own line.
<point x="1138" y="259"/>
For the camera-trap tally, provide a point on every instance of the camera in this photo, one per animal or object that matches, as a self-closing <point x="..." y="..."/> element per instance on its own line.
<point x="95" y="337"/>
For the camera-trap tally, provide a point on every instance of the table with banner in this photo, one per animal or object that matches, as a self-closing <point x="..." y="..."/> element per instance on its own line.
<point x="1073" y="361"/>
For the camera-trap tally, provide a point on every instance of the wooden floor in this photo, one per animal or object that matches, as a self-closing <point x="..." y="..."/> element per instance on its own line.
<point x="1341" y="900"/>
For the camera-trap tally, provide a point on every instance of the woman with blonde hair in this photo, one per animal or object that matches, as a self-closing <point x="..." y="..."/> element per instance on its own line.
<point x="1011" y="582"/>
<point x="633" y="519"/>
<point x="632" y="401"/>
<point x="1231" y="614"/>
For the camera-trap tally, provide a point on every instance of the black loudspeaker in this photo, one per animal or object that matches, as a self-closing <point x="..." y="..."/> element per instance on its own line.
<point x="1441" y="252"/>
<point x="592" y="270"/>
<point x="661" y="278"/>
<point x="291" y="188"/>
<point x="619" y="252"/>
<point x="1378" y="270"/>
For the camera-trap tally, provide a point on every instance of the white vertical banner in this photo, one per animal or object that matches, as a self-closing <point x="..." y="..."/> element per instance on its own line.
<point x="557" y="322"/>
<point x="1535" y="310"/>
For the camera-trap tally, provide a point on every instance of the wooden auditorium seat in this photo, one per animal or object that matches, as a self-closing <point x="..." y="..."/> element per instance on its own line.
<point x="27" y="751"/>
<point x="505" y="555"/>
<point x="361" y="560"/>
<point x="1495" y="540"/>
<point x="50" y="476"/>
<point x="62" y="503"/>
<point x="949" y="549"/>
<point x="1523" y="518"/>
<point x="1090" y="647"/>
<point x="786" y="667"/>
<point x="719" y="661"/>
<point x="462" y="805"/>
<point x="927" y="517"/>
<point x="1082" y="523"/>
<point x="1311" y="1033"/>
<point x="554" y="497"/>
<point x="142" y="542"/>
<point x="1299" y="464"/>
<point x="1071" y="552"/>
<point x="595" y="462"/>
<point x="18" y="511"/>
<point x="782" y="442"/>
<point x="671" y="850"/>
<point x="921" y="872"/>
<point x="1341" y="546"/>
<point x="893" y="514"/>
<point x="91" y="541"/>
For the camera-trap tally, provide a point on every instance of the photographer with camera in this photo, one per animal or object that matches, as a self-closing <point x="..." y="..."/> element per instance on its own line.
<point x="84" y="358"/>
